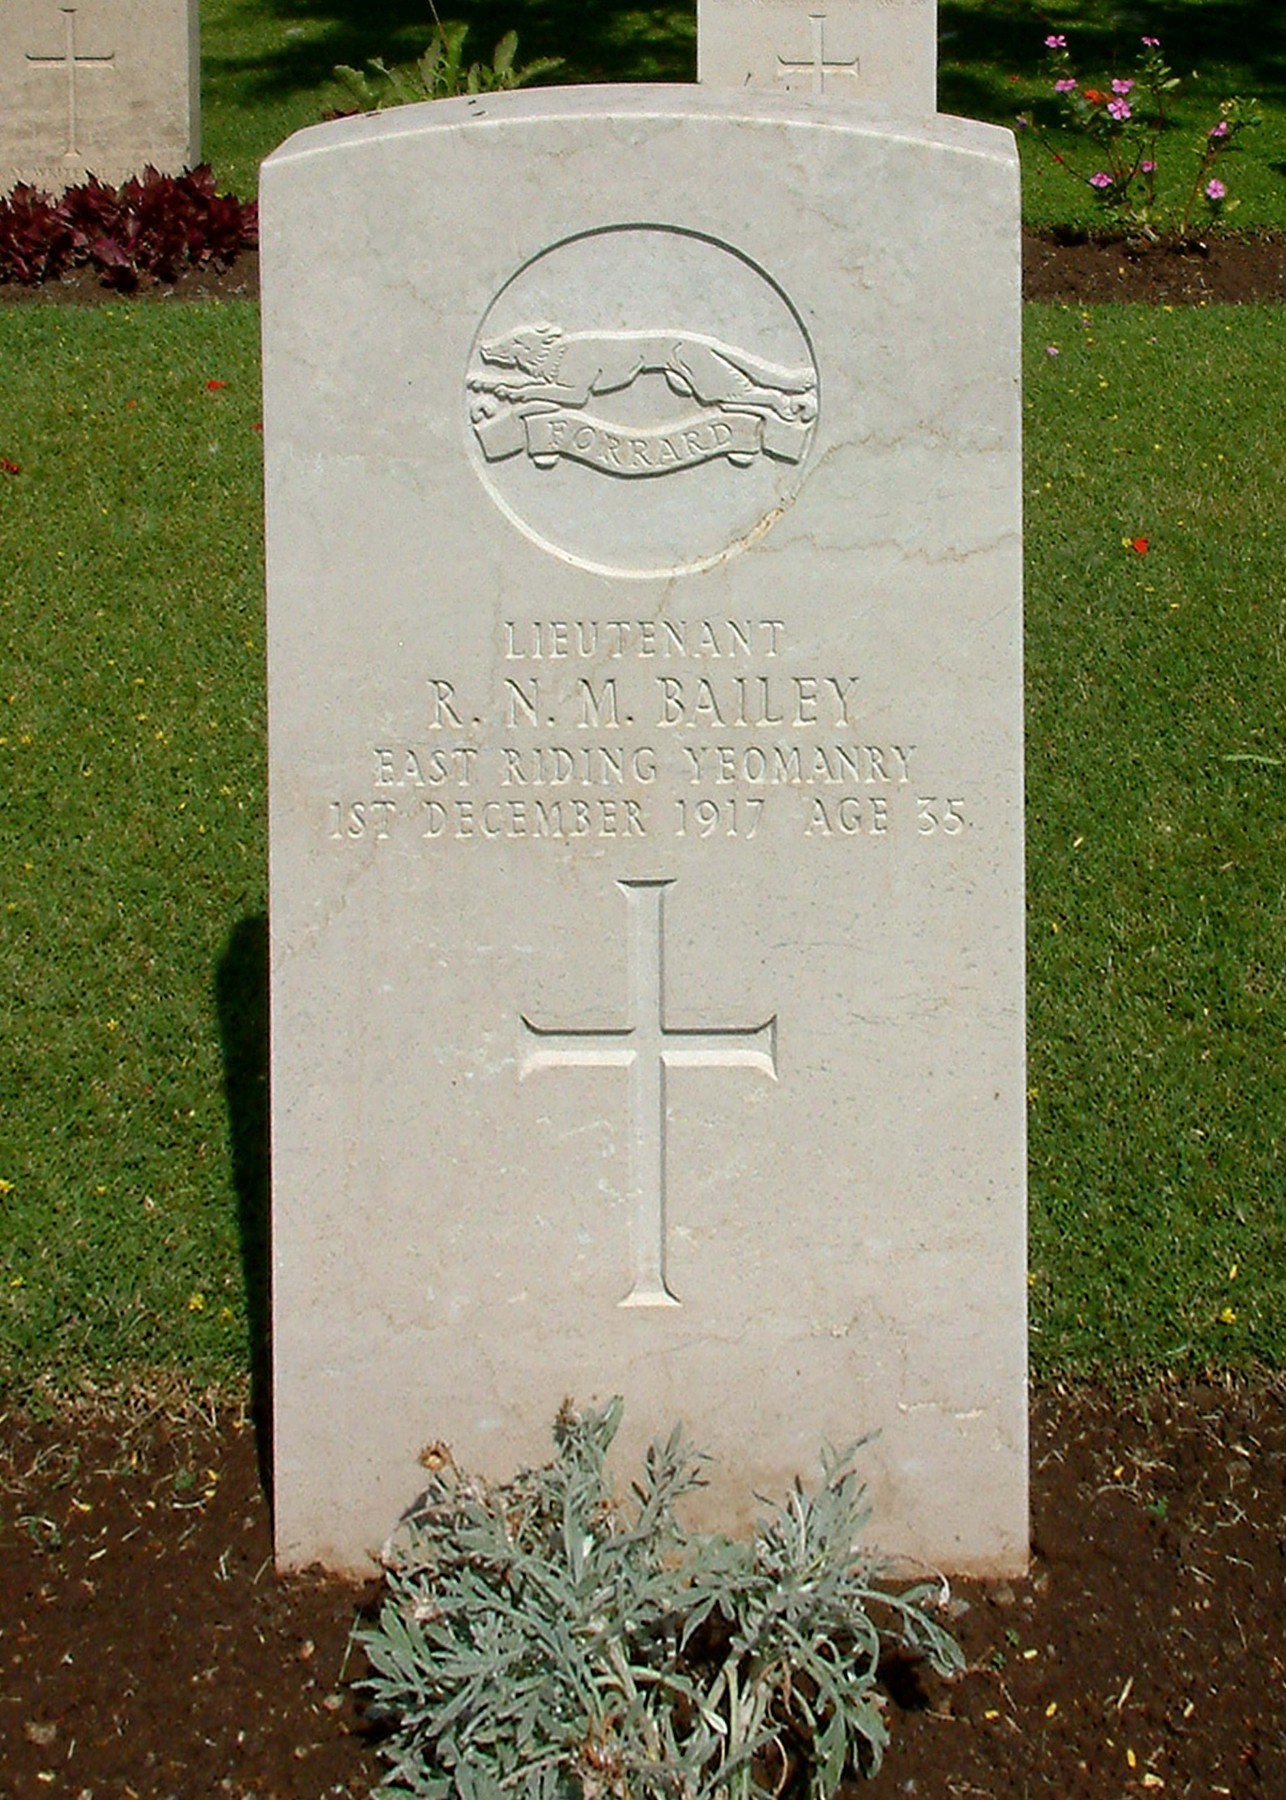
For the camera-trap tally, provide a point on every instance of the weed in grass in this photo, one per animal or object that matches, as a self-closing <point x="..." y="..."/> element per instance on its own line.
<point x="540" y="1638"/>
<point x="442" y="72"/>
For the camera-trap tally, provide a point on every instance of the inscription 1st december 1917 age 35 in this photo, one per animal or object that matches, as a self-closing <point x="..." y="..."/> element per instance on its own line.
<point x="634" y="729"/>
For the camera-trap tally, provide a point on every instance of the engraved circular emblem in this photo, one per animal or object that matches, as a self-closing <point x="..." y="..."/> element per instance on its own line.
<point x="641" y="400"/>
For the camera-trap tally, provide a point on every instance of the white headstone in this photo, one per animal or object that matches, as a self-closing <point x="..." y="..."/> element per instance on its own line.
<point x="880" y="50"/>
<point x="97" y="87"/>
<point x="646" y="819"/>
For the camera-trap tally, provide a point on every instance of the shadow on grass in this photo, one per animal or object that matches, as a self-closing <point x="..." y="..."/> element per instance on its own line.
<point x="242" y="994"/>
<point x="611" y="40"/>
<point x="621" y="40"/>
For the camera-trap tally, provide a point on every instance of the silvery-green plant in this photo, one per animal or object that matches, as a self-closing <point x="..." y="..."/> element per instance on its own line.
<point x="540" y="1639"/>
<point x="441" y="72"/>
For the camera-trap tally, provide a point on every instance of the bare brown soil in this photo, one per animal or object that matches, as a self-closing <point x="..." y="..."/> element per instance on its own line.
<point x="1224" y="270"/>
<point x="149" y="1652"/>
<point x="1219" y="272"/>
<point x="83" y="286"/>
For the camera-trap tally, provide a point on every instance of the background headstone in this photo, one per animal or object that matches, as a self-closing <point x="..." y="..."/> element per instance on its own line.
<point x="880" y="50"/>
<point x="99" y="87"/>
<point x="646" y="810"/>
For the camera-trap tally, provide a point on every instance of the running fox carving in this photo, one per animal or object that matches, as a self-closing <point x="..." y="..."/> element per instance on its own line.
<point x="543" y="363"/>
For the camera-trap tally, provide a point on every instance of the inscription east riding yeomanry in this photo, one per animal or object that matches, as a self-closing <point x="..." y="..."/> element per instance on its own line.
<point x="531" y="390"/>
<point x="648" y="1047"/>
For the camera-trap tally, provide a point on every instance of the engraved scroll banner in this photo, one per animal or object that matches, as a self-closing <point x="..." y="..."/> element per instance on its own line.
<point x="601" y="444"/>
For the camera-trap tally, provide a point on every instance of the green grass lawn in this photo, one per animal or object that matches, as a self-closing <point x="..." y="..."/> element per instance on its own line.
<point x="132" y="720"/>
<point x="132" y="886"/>
<point x="133" y="889"/>
<point x="1157" y="832"/>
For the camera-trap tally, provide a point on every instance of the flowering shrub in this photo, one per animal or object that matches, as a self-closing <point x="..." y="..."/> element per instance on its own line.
<point x="1122" y="124"/>
<point x="153" y="225"/>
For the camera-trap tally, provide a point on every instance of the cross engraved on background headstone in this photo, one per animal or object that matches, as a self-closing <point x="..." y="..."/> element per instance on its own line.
<point x="647" y="1047"/>
<point x="71" y="62"/>
<point x="817" y="63"/>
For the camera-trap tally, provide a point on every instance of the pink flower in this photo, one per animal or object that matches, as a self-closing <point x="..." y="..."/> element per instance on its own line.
<point x="1215" y="189"/>
<point x="1122" y="87"/>
<point x="1152" y="43"/>
<point x="1120" y="110"/>
<point x="1101" y="180"/>
<point x="1051" y="350"/>
<point x="1056" y="41"/>
<point x="1065" y="87"/>
<point x="1220" y="130"/>
<point x="1148" y="166"/>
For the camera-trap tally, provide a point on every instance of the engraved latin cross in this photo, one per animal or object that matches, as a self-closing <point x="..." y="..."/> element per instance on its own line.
<point x="71" y="60"/>
<point x="648" y="1047"/>
<point x="817" y="63"/>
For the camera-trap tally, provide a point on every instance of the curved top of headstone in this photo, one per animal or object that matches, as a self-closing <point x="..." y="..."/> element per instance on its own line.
<point x="651" y="100"/>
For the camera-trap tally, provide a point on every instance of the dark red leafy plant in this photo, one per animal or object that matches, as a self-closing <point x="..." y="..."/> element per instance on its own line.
<point x="150" y="228"/>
